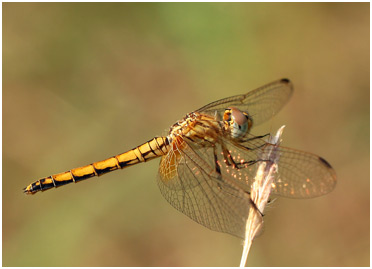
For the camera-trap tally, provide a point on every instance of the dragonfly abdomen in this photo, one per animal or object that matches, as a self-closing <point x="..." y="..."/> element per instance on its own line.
<point x="153" y="148"/>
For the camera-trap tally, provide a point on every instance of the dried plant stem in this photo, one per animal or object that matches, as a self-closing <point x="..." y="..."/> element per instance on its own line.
<point x="260" y="192"/>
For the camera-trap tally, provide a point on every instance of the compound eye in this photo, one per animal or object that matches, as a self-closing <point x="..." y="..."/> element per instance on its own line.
<point x="227" y="115"/>
<point x="238" y="116"/>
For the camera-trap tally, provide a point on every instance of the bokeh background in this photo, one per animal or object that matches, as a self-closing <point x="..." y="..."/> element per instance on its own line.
<point x="83" y="81"/>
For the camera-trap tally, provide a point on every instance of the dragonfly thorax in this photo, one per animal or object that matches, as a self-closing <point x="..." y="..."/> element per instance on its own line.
<point x="206" y="129"/>
<point x="238" y="123"/>
<point x="200" y="128"/>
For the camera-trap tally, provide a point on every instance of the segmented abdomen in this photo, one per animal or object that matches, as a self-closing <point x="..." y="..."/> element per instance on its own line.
<point x="153" y="148"/>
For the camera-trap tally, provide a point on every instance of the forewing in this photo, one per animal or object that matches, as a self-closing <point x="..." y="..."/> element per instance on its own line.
<point x="300" y="174"/>
<point x="261" y="104"/>
<point x="194" y="187"/>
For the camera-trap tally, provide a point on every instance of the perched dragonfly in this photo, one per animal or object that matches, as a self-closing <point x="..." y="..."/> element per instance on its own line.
<point x="208" y="161"/>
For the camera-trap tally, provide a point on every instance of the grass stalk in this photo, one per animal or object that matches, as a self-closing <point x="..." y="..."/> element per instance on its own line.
<point x="260" y="191"/>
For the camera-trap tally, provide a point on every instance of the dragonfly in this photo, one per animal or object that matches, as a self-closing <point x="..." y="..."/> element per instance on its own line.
<point x="209" y="158"/>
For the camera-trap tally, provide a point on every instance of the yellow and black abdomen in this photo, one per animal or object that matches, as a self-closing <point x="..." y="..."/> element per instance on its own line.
<point x="154" y="148"/>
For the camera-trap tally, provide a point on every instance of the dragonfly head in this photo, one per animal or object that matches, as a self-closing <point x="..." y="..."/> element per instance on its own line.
<point x="238" y="123"/>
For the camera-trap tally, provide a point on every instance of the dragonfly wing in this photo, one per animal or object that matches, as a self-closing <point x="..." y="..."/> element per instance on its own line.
<point x="261" y="104"/>
<point x="300" y="174"/>
<point x="303" y="175"/>
<point x="191" y="184"/>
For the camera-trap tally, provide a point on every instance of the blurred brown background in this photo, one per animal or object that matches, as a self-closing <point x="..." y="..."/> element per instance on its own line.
<point x="82" y="82"/>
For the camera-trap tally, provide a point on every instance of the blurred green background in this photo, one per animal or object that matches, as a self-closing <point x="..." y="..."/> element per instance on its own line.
<point x="83" y="81"/>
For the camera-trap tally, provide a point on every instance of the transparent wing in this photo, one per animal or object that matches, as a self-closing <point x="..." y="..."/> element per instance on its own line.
<point x="211" y="184"/>
<point x="261" y="104"/>
<point x="300" y="174"/>
<point x="189" y="182"/>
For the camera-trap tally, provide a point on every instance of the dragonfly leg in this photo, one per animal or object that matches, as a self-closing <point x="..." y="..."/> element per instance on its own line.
<point x="217" y="166"/>
<point x="230" y="161"/>
<point x="227" y="156"/>
<point x="254" y="205"/>
<point x="259" y="211"/>
<point x="256" y="137"/>
<point x="257" y="147"/>
<point x="243" y="164"/>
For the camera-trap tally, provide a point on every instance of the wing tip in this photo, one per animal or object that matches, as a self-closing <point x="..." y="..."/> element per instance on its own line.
<point x="288" y="84"/>
<point x="325" y="162"/>
<point x="285" y="80"/>
<point x="330" y="169"/>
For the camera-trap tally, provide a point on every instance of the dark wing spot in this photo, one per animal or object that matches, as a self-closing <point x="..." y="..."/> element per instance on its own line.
<point x="325" y="162"/>
<point x="285" y="80"/>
